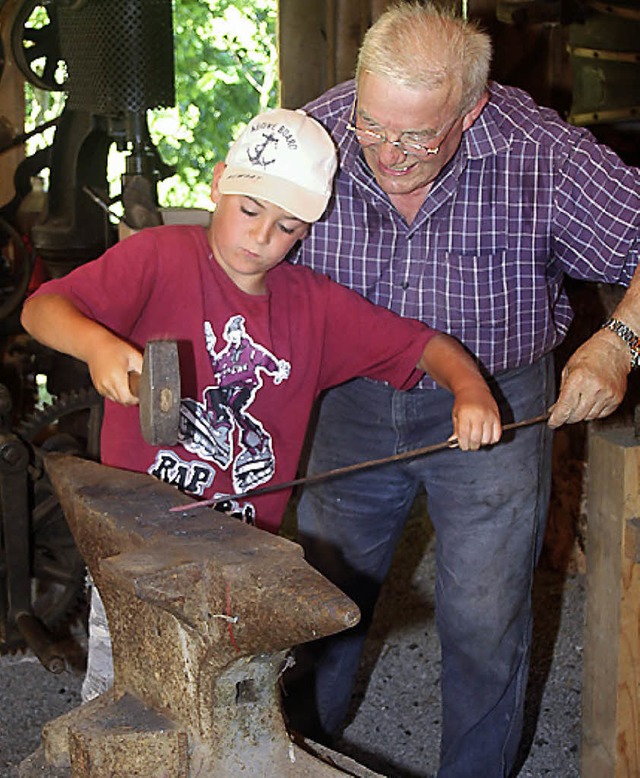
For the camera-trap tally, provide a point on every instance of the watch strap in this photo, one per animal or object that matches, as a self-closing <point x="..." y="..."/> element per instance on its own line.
<point x="628" y="336"/>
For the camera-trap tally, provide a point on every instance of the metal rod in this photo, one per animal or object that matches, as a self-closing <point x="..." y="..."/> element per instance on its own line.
<point x="339" y="471"/>
<point x="18" y="140"/>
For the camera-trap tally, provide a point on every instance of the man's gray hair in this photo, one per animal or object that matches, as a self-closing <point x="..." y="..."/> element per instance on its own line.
<point x="419" y="46"/>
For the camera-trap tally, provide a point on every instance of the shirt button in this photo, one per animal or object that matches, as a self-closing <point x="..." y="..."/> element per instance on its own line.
<point x="405" y="285"/>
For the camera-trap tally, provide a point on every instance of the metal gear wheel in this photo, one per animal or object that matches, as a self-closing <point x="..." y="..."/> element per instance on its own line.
<point x="36" y="45"/>
<point x="70" y="424"/>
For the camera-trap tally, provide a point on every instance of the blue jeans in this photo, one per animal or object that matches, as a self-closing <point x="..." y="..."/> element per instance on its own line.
<point x="488" y="509"/>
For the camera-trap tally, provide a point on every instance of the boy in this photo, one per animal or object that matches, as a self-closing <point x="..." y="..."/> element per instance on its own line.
<point x="258" y="339"/>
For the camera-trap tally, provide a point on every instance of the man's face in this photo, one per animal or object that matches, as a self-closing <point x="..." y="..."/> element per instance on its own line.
<point x="428" y="119"/>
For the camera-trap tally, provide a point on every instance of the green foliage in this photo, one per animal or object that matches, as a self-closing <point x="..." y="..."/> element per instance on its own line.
<point x="226" y="71"/>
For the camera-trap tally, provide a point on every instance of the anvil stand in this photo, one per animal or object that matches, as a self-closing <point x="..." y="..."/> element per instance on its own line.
<point x="203" y="611"/>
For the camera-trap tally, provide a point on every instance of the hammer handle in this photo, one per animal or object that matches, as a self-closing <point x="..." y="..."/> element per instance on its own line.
<point x="134" y="383"/>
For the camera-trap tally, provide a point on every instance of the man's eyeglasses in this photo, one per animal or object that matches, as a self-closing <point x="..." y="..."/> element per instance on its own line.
<point x="408" y="143"/>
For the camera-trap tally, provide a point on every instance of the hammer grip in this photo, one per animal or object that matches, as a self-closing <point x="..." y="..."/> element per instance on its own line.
<point x="134" y="383"/>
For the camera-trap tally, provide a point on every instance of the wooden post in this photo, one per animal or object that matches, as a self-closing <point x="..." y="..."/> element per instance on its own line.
<point x="318" y="44"/>
<point x="11" y="103"/>
<point x="611" y="687"/>
<point x="302" y="49"/>
<point x="352" y="21"/>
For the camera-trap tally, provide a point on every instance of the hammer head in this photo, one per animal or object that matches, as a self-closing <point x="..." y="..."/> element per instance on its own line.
<point x="159" y="393"/>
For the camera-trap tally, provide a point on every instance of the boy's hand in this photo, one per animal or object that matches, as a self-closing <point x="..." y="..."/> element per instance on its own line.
<point x="476" y="420"/>
<point x="59" y="324"/>
<point x="110" y="366"/>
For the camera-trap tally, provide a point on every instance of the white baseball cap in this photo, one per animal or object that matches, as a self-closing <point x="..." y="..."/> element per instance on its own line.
<point x="286" y="158"/>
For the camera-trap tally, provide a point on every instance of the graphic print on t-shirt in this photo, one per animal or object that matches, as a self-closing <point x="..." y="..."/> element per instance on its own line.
<point x="220" y="428"/>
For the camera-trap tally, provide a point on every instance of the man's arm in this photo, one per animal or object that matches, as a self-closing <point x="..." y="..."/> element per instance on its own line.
<point x="594" y="380"/>
<point x="54" y="320"/>
<point x="476" y="419"/>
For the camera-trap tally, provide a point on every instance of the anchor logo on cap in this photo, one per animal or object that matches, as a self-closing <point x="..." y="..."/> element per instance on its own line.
<point x="257" y="154"/>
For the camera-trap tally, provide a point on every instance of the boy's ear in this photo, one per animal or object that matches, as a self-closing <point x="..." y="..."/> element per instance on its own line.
<point x="218" y="170"/>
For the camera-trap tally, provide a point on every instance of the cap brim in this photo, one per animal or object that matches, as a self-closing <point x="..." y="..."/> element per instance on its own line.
<point x="301" y="203"/>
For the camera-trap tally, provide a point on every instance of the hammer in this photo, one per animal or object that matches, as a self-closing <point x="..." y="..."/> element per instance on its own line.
<point x="158" y="389"/>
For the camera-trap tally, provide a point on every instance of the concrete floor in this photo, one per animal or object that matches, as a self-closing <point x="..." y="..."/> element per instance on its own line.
<point x="395" y="725"/>
<point x="396" y="728"/>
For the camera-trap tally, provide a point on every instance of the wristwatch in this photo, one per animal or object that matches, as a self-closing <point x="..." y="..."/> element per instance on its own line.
<point x="628" y="336"/>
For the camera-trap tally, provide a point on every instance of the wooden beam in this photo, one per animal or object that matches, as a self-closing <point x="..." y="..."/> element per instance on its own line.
<point x="11" y="103"/>
<point x="353" y="20"/>
<point x="302" y="51"/>
<point x="611" y="687"/>
<point x="318" y="42"/>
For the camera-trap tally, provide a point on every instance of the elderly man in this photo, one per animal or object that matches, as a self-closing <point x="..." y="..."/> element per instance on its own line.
<point x="461" y="203"/>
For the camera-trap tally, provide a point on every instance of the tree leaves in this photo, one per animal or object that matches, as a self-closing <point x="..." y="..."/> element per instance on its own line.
<point x="226" y="71"/>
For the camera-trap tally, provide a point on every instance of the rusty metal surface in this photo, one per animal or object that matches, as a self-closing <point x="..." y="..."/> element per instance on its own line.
<point x="202" y="613"/>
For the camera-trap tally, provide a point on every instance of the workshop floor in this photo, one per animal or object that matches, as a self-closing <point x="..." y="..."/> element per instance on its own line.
<point x="395" y="728"/>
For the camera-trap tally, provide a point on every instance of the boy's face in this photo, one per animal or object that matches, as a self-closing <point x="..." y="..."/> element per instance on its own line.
<point x="250" y="236"/>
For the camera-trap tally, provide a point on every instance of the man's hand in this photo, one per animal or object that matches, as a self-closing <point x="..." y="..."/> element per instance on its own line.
<point x="594" y="380"/>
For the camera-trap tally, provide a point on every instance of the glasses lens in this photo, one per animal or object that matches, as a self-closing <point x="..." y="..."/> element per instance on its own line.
<point x="419" y="149"/>
<point x="368" y="137"/>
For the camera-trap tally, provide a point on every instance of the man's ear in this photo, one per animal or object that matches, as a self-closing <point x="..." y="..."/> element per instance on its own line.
<point x="218" y="170"/>
<point x="469" y="118"/>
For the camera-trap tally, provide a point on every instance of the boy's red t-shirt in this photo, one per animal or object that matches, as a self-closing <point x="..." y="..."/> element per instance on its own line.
<point x="251" y="366"/>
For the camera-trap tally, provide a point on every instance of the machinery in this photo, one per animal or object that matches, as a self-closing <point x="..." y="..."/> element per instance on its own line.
<point x="114" y="61"/>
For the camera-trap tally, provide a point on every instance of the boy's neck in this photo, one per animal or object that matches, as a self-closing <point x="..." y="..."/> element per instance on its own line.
<point x="249" y="284"/>
<point x="254" y="286"/>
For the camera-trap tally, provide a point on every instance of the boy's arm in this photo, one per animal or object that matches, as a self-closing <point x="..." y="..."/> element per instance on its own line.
<point x="56" y="322"/>
<point x="476" y="419"/>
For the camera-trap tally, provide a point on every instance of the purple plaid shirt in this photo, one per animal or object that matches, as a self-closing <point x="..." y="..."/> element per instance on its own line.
<point x="526" y="199"/>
